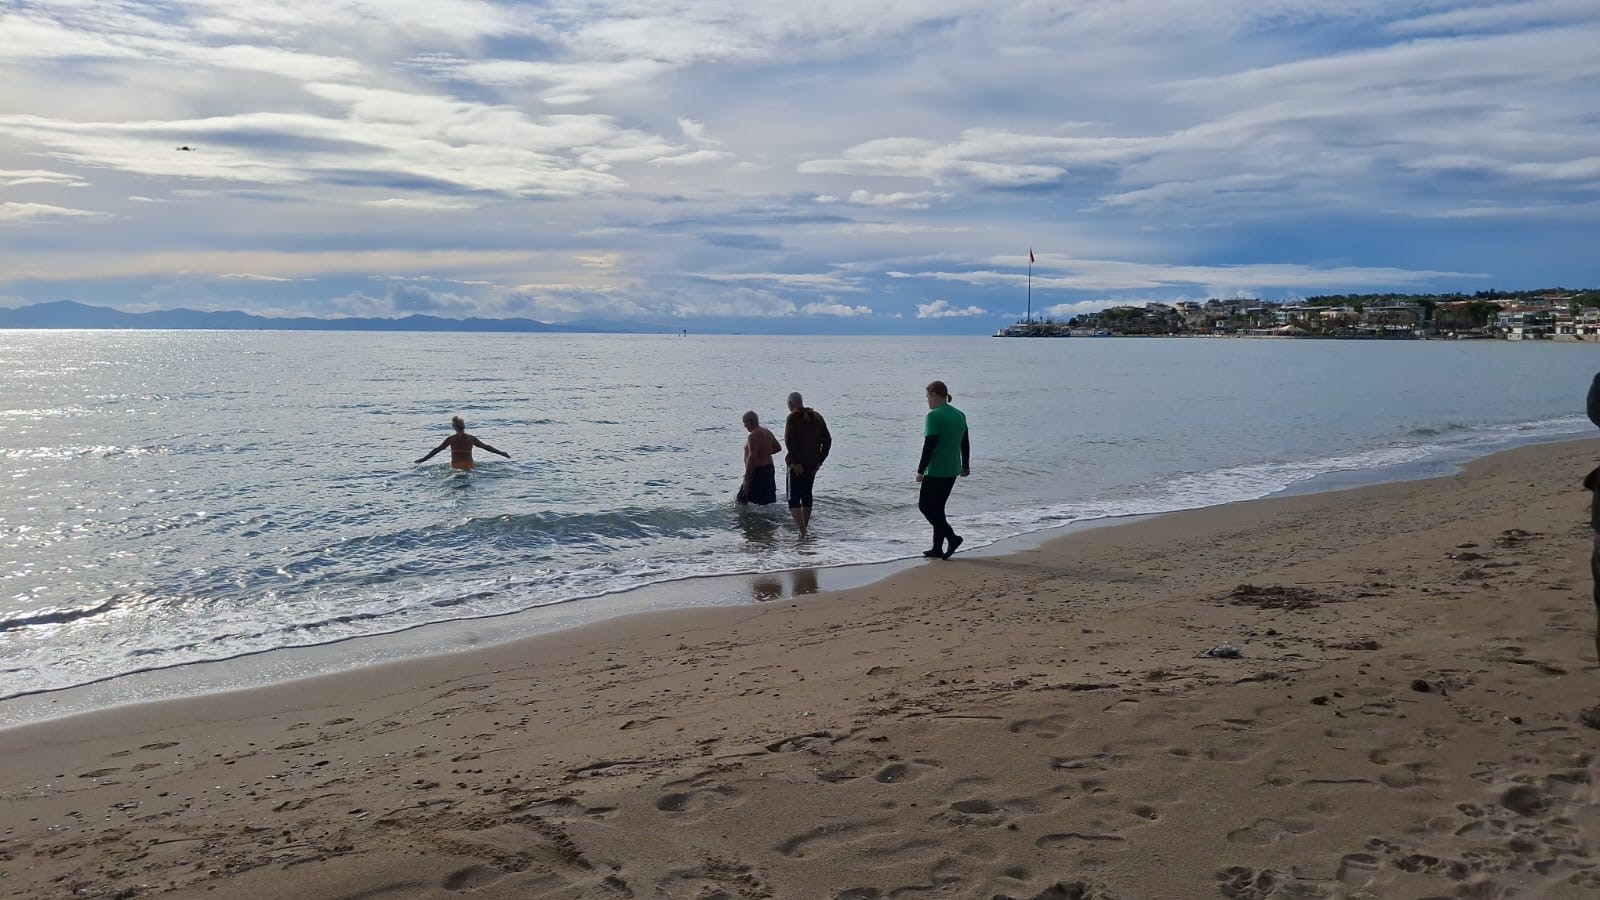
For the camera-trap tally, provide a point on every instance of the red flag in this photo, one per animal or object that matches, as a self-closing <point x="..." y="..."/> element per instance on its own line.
<point x="1030" y="254"/>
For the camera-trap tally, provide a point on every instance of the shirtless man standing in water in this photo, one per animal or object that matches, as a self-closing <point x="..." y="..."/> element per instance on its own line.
<point x="461" y="445"/>
<point x="760" y="485"/>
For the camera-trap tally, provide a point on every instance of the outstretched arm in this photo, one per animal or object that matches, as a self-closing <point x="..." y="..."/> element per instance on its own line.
<point x="442" y="444"/>
<point x="478" y="443"/>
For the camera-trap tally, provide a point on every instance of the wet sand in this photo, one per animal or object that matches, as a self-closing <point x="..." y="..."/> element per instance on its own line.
<point x="1400" y="721"/>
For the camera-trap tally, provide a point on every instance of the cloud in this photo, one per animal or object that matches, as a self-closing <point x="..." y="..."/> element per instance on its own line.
<point x="835" y="309"/>
<point x="741" y="303"/>
<point x="941" y="309"/>
<point x="901" y="199"/>
<point x="21" y="177"/>
<point x="695" y="131"/>
<point x="1497" y="17"/>
<point x="693" y="157"/>
<point x="265" y="262"/>
<point x="245" y="276"/>
<point x="624" y="158"/>
<point x="802" y="280"/>
<point x="427" y="204"/>
<point x="981" y="158"/>
<point x="16" y="212"/>
<point x="1115" y="275"/>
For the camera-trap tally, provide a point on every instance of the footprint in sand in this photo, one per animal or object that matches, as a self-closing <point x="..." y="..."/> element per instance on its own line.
<point x="699" y="801"/>
<point x="976" y="812"/>
<point x="1336" y="784"/>
<point x="906" y="772"/>
<point x="827" y="838"/>
<point x="1127" y="706"/>
<point x="1049" y="727"/>
<point x="570" y="808"/>
<point x="1410" y="775"/>
<point x="1262" y="832"/>
<point x="716" y="877"/>
<point x="1098" y="762"/>
<point x="471" y="878"/>
<point x="1075" y="840"/>
<point x="1357" y="870"/>
<point x="1244" y="883"/>
<point x="162" y="745"/>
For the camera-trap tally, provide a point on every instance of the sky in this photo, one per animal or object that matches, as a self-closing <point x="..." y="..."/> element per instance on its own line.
<point x="862" y="166"/>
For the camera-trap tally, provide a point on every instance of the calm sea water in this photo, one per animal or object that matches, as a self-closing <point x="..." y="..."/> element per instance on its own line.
<point x="169" y="497"/>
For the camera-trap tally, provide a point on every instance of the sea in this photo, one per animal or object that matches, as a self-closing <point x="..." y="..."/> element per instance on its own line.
<point x="173" y="498"/>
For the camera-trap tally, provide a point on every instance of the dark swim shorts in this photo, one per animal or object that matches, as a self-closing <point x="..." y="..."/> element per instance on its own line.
<point x="800" y="489"/>
<point x="763" y="486"/>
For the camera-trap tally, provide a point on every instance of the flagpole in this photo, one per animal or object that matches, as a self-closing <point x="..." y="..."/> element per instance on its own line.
<point x="1030" y="285"/>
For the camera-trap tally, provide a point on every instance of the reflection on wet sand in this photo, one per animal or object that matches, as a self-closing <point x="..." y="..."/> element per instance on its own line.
<point x="766" y="587"/>
<point x="803" y="581"/>
<point x="779" y="585"/>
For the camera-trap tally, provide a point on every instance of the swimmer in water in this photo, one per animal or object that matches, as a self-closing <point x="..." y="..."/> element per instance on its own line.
<point x="461" y="445"/>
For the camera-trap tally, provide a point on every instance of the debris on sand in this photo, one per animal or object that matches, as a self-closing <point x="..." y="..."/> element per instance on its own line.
<point x="1275" y="596"/>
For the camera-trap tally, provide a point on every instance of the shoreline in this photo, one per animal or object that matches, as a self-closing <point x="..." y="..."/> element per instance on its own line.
<point x="1400" y="721"/>
<point x="283" y="665"/>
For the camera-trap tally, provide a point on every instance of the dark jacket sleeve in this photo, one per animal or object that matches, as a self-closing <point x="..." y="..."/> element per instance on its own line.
<point x="966" y="452"/>
<point x="827" y="440"/>
<point x="928" y="443"/>
<point x="1594" y="400"/>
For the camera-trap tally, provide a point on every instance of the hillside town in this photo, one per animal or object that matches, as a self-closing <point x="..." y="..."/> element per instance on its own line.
<point x="1487" y="315"/>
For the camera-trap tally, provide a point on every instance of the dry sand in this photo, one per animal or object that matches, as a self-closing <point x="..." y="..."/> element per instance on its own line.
<point x="1402" y="723"/>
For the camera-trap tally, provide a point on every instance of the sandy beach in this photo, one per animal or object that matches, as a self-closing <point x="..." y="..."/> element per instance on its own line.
<point x="1400" y="720"/>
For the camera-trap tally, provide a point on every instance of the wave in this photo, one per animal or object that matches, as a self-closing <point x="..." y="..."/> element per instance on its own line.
<point x="58" y="616"/>
<point x="429" y="569"/>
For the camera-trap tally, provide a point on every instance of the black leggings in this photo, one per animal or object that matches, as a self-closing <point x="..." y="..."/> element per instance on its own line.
<point x="935" y="491"/>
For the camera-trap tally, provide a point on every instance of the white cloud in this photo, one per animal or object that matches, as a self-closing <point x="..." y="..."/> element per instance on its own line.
<point x="427" y="204"/>
<point x="831" y="308"/>
<point x="982" y="158"/>
<point x="803" y="280"/>
<point x="696" y="131"/>
<point x="1116" y="275"/>
<point x="740" y="303"/>
<point x="693" y="157"/>
<point x="941" y="309"/>
<point x="246" y="276"/>
<point x="15" y="212"/>
<point x="21" y="177"/>
<point x="265" y="262"/>
<point x="1498" y="16"/>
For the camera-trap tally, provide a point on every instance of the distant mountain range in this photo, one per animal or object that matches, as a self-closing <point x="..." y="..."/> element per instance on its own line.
<point x="67" y="314"/>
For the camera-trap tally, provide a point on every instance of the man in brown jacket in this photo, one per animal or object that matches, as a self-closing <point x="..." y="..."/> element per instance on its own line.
<point x="806" y="435"/>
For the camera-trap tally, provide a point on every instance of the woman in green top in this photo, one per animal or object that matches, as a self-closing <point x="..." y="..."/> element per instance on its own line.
<point x="945" y="456"/>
